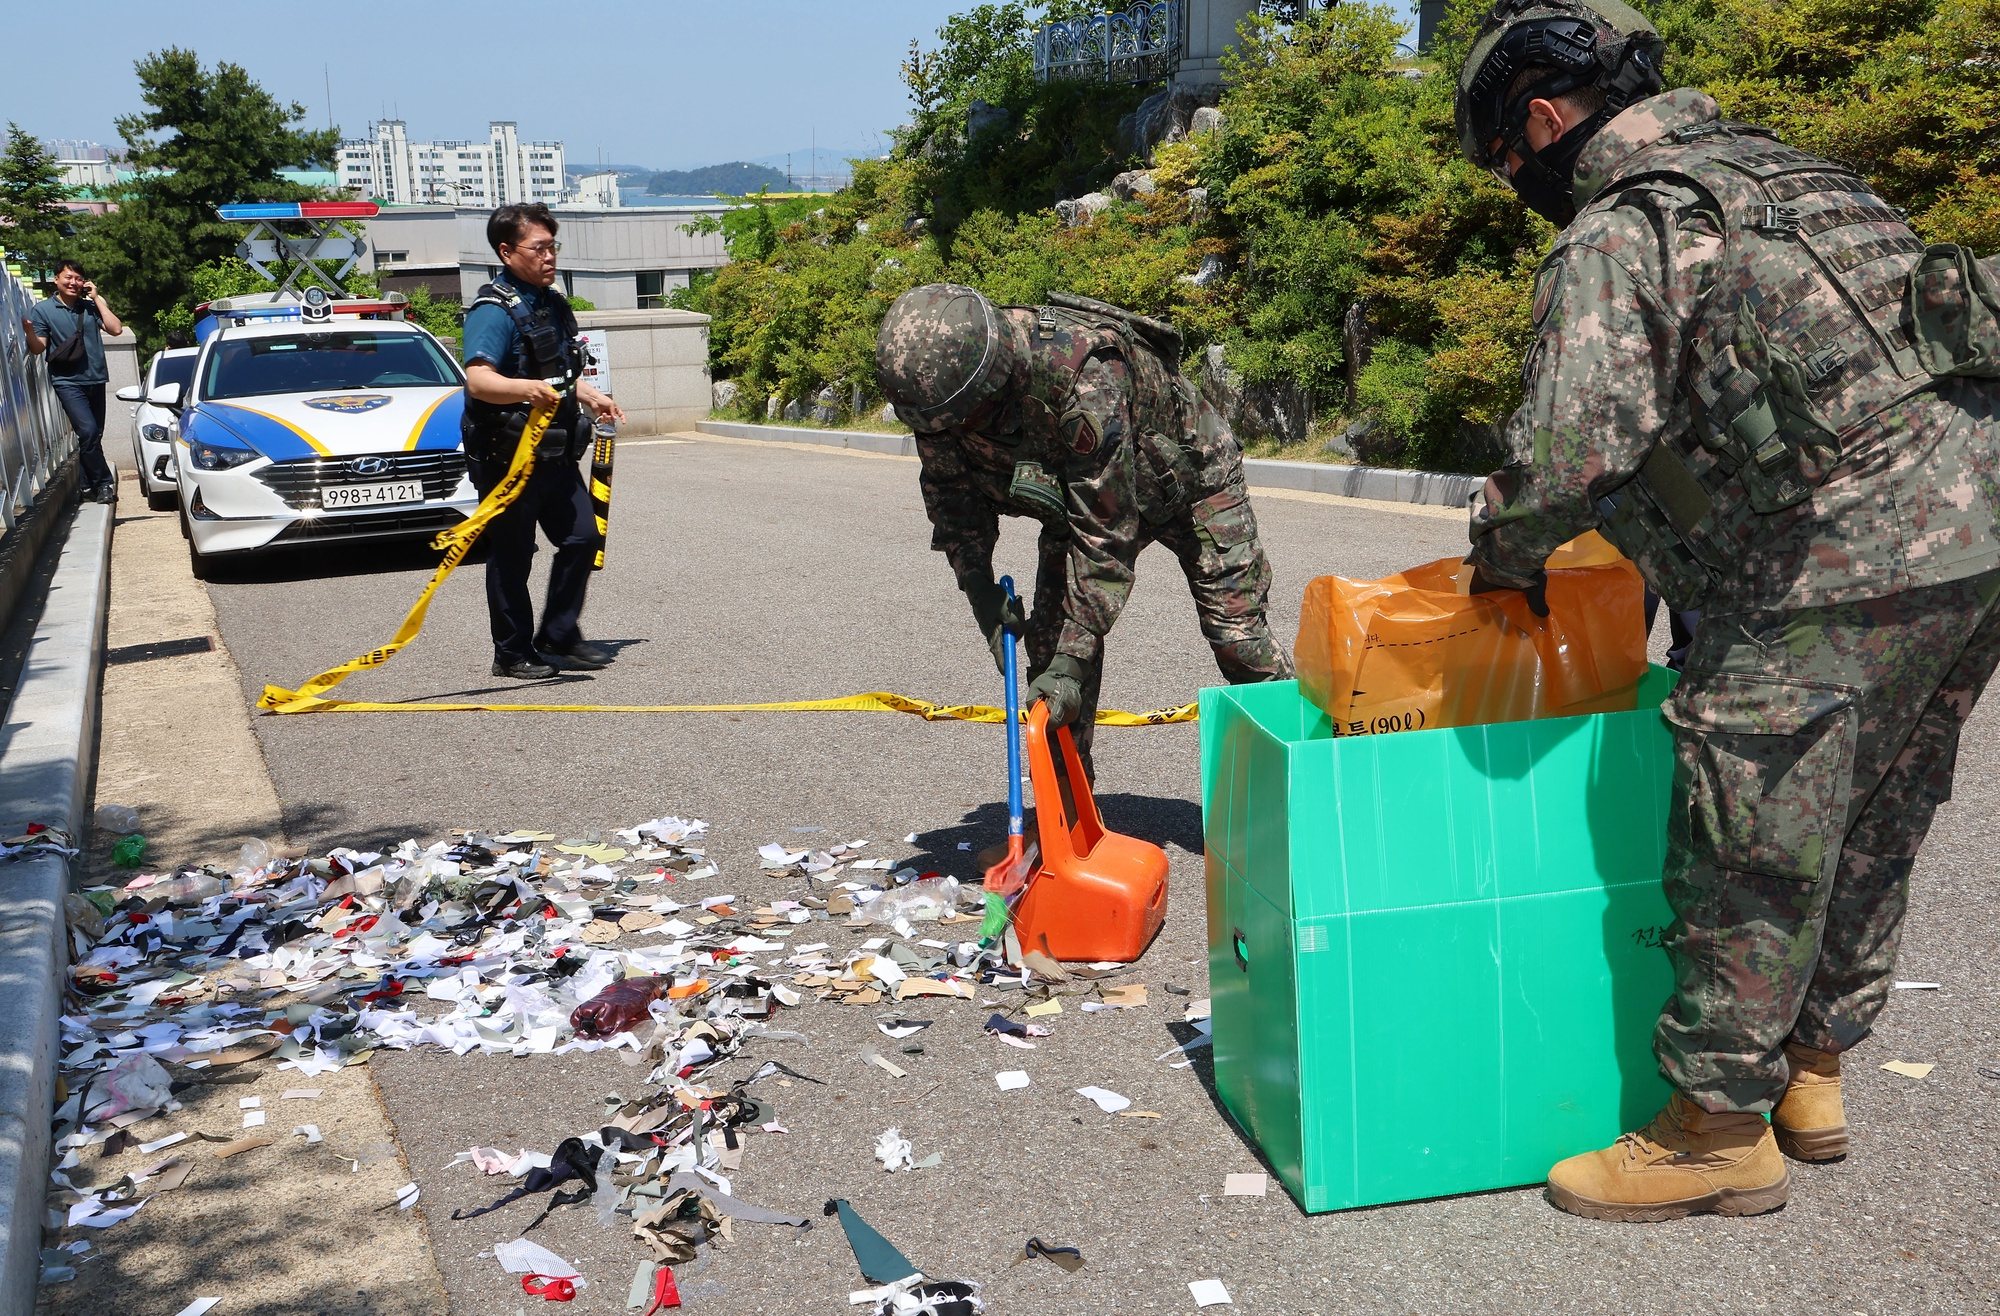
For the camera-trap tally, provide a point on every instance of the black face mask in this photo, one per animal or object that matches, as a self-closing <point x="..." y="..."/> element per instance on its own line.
<point x="1546" y="179"/>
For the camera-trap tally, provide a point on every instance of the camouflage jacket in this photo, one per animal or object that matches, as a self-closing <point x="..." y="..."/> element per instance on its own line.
<point x="1111" y="441"/>
<point x="1618" y="304"/>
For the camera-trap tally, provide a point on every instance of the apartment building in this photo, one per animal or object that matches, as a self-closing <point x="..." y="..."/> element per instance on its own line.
<point x="390" y="167"/>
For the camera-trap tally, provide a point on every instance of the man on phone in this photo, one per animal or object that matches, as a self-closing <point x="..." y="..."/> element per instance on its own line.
<point x="70" y="327"/>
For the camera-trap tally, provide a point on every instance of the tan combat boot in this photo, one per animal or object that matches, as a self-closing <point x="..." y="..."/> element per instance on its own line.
<point x="1810" y="1122"/>
<point x="1685" y="1162"/>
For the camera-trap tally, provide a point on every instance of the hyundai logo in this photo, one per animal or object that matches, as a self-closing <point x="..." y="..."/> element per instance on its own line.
<point x="370" y="466"/>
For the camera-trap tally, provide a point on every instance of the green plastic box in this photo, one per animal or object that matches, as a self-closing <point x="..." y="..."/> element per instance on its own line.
<point x="1433" y="955"/>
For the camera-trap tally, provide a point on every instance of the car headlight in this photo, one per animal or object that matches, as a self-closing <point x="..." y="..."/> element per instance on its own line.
<point x="156" y="433"/>
<point x="208" y="456"/>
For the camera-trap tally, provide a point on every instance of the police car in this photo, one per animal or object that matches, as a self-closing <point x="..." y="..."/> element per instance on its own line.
<point x="311" y="419"/>
<point x="153" y="426"/>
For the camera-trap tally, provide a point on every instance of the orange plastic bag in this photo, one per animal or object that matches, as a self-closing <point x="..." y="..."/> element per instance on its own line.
<point x="1411" y="651"/>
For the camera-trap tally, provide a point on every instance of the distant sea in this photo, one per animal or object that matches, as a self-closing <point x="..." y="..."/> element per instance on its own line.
<point x="634" y="196"/>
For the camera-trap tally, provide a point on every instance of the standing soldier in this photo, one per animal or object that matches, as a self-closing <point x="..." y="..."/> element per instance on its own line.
<point x="1758" y="382"/>
<point x="1076" y="414"/>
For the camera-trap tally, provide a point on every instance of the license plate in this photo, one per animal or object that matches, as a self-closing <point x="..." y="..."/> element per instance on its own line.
<point x="337" y="497"/>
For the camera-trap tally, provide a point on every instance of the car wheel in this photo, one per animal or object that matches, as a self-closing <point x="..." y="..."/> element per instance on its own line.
<point x="162" y="500"/>
<point x="185" y="532"/>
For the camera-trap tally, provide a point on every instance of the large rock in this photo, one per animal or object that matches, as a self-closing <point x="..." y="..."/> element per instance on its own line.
<point x="1081" y="210"/>
<point x="888" y="414"/>
<point x="1197" y="199"/>
<point x="1133" y="184"/>
<point x="981" y="118"/>
<point x="1280" y="411"/>
<point x="794" y="412"/>
<point x="774" y="407"/>
<point x="1358" y="342"/>
<point x="826" y="406"/>
<point x="1210" y="271"/>
<point x="1162" y="117"/>
<point x="1206" y="119"/>
<point x="723" y="396"/>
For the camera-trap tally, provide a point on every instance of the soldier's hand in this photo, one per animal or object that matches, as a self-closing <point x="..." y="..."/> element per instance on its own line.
<point x="994" y="612"/>
<point x="1537" y="592"/>
<point x="1061" y="688"/>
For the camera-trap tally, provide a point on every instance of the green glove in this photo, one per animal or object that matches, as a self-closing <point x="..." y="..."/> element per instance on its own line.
<point x="1060" y="686"/>
<point x="993" y="612"/>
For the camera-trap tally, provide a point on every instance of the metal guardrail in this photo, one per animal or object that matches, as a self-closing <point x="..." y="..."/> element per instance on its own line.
<point x="1141" y="44"/>
<point x="35" y="434"/>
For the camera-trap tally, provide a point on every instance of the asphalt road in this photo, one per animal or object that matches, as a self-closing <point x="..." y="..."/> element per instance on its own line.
<point x="747" y="572"/>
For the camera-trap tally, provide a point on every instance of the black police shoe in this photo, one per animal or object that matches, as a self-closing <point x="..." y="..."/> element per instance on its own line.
<point x="579" y="653"/>
<point x="523" y="669"/>
<point x="105" y="493"/>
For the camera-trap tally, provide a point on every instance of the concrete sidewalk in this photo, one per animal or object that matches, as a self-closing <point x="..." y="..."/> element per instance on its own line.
<point x="1373" y="483"/>
<point x="45" y="765"/>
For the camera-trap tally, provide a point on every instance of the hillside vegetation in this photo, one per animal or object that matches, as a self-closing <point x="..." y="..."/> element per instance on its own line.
<point x="737" y="178"/>
<point x="1331" y="260"/>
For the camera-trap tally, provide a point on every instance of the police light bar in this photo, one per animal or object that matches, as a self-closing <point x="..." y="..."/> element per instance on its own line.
<point x="252" y="210"/>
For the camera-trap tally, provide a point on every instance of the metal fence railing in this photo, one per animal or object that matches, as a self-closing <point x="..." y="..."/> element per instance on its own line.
<point x="1140" y="44"/>
<point x="35" y="435"/>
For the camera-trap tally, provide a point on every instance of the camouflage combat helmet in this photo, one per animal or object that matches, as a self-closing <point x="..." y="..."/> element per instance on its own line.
<point x="1604" y="45"/>
<point x="943" y="354"/>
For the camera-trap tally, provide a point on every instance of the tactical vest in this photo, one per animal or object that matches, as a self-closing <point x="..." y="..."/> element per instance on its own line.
<point x="1802" y="339"/>
<point x="1163" y="402"/>
<point x="545" y="347"/>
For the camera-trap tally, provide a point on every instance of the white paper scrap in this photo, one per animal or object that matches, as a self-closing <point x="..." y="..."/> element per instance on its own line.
<point x="310" y="1132"/>
<point x="1209" y="1293"/>
<point x="300" y="1094"/>
<point x="198" y="1307"/>
<point x="524" y="1256"/>
<point x="253" y="1119"/>
<point x="1244" y="1185"/>
<point x="1011" y="1079"/>
<point x="1107" y="1101"/>
<point x="406" y="1196"/>
<point x="249" y="1103"/>
<point x="1918" y="986"/>
<point x="159" y="1144"/>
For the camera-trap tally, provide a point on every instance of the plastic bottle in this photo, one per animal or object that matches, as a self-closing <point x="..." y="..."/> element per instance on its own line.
<point x="129" y="851"/>
<point x="189" y="890"/>
<point x="116" y="818"/>
<point x="254" y="857"/>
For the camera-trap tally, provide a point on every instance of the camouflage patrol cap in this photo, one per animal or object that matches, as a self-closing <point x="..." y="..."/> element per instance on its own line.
<point x="943" y="352"/>
<point x="1603" y="44"/>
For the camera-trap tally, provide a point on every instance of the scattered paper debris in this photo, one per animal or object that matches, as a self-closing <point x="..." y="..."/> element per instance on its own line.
<point x="888" y="1066"/>
<point x="1043" y="1009"/>
<point x="1209" y="1293"/>
<point x="1917" y="986"/>
<point x="1011" y="1079"/>
<point x="1244" y="1185"/>
<point x="894" y="1150"/>
<point x="253" y="1119"/>
<point x="199" y="1307"/>
<point x="1909" y="1068"/>
<point x="407" y="1195"/>
<point x="300" y="1094"/>
<point x="310" y="1132"/>
<point x="1107" y="1101"/>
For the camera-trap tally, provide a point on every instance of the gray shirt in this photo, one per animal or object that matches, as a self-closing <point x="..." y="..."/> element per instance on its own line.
<point x="57" y="323"/>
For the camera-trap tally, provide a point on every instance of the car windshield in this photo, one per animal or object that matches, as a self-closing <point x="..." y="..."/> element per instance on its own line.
<point x="312" y="361"/>
<point x="174" y="370"/>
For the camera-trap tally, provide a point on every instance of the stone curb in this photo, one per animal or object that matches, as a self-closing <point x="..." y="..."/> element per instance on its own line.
<point x="1375" y="483"/>
<point x="45" y="769"/>
<point x="29" y="535"/>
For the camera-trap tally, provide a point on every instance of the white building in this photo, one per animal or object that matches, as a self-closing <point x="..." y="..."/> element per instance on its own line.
<point x="501" y="170"/>
<point x="597" y="191"/>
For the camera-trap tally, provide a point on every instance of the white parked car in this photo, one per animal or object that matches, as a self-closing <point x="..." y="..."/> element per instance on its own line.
<point x="307" y="422"/>
<point x="153" y="426"/>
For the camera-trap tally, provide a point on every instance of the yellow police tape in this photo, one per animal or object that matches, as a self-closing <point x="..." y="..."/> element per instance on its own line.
<point x="457" y="542"/>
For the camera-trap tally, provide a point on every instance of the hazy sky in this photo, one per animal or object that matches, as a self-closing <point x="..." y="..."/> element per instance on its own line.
<point x="668" y="83"/>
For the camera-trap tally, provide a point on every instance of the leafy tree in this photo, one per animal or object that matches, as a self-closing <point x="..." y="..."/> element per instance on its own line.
<point x="208" y="137"/>
<point x="35" y="228"/>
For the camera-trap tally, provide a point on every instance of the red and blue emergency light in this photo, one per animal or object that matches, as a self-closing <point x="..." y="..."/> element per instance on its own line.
<point x="250" y="210"/>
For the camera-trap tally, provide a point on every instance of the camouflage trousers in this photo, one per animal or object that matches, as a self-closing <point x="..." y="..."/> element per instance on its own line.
<point x="1813" y="748"/>
<point x="1228" y="575"/>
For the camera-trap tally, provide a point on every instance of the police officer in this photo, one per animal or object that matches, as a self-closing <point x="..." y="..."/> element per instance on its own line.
<point x="520" y="335"/>
<point x="1075" y="414"/>
<point x="1751" y="375"/>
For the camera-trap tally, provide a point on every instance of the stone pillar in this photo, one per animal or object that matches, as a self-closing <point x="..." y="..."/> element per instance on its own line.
<point x="1207" y="27"/>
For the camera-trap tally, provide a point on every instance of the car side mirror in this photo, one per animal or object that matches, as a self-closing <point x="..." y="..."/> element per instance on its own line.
<point x="164" y="395"/>
<point x="130" y="393"/>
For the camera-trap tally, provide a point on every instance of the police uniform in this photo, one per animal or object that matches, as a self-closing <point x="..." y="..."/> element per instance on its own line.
<point x="525" y="332"/>
<point x="1743" y="375"/>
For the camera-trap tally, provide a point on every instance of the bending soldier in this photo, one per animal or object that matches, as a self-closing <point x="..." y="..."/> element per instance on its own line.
<point x="1075" y="414"/>
<point x="1754" y="377"/>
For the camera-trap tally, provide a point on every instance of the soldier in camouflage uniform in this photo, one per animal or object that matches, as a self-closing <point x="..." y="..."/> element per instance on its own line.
<point x="1075" y="414"/>
<point x="1757" y="381"/>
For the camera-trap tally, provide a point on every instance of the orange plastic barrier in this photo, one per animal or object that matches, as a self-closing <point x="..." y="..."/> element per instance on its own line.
<point x="1099" y="895"/>
<point x="1410" y="651"/>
